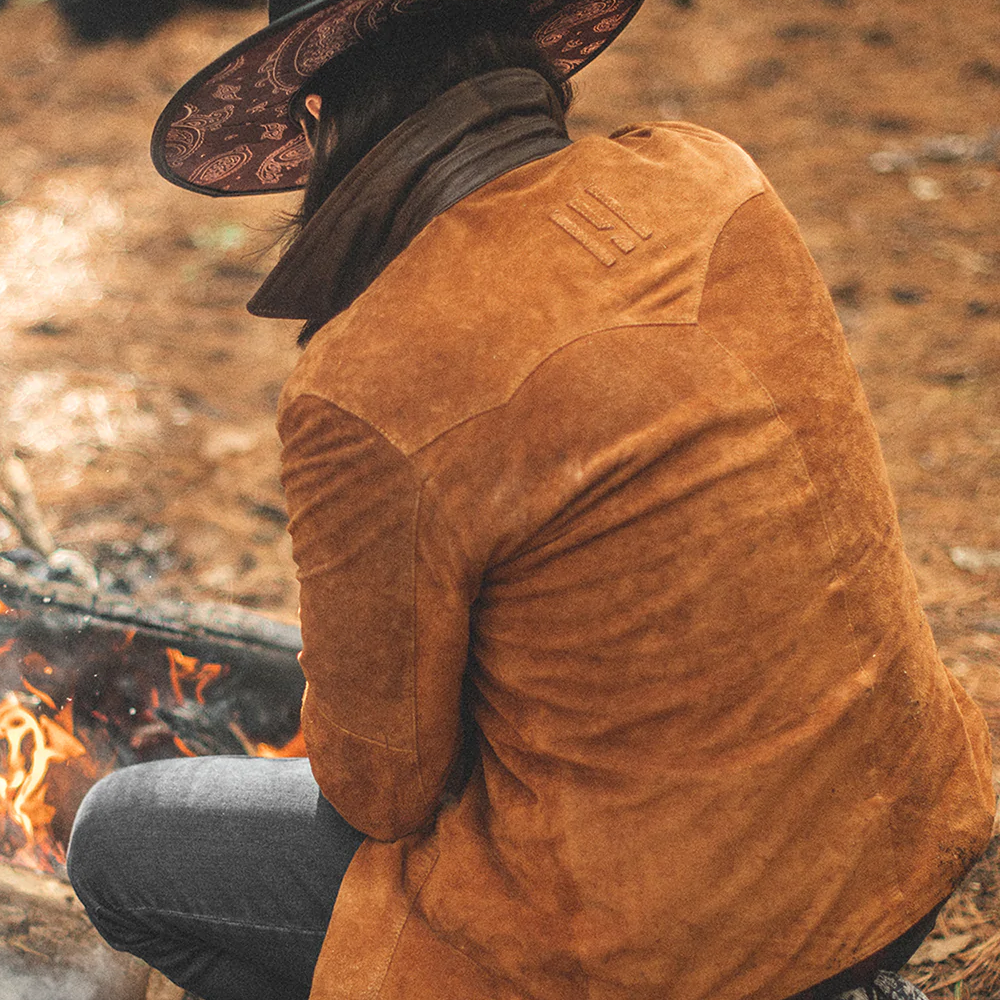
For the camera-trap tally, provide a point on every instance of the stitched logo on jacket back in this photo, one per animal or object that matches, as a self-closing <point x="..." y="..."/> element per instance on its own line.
<point x="601" y="225"/>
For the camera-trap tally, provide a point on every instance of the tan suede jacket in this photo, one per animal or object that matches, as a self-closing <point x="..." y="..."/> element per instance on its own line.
<point x="589" y="468"/>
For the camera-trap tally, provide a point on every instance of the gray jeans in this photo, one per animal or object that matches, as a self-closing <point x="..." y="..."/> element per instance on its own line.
<point x="221" y="872"/>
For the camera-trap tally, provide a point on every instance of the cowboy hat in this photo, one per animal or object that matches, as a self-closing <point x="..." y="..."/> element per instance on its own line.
<point x="227" y="131"/>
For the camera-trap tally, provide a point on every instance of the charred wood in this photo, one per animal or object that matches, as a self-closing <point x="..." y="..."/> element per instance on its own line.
<point x="149" y="679"/>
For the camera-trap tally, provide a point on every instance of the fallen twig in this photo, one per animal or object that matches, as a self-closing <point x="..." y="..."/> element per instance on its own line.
<point x="23" y="512"/>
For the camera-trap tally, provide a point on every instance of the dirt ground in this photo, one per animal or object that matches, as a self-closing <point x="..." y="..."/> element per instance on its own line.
<point x="141" y="394"/>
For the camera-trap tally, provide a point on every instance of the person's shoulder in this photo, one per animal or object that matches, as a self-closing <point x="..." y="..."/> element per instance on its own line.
<point x="685" y="143"/>
<point x="673" y="132"/>
<point x="605" y="233"/>
<point x="697" y="156"/>
<point x="689" y="176"/>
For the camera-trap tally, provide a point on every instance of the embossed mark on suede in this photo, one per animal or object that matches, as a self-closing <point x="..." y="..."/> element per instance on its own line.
<point x="604" y="214"/>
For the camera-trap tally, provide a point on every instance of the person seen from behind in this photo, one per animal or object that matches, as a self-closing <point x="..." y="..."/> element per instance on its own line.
<point x="618" y="684"/>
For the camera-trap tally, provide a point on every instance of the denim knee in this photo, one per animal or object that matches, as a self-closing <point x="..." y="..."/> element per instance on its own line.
<point x="100" y="843"/>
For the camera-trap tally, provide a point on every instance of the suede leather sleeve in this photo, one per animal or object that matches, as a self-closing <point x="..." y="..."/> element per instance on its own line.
<point x="353" y="501"/>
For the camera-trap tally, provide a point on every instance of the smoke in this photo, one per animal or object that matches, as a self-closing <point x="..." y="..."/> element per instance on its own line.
<point x="108" y="976"/>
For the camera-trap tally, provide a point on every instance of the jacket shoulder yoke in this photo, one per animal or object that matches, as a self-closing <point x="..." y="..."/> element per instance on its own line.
<point x="606" y="233"/>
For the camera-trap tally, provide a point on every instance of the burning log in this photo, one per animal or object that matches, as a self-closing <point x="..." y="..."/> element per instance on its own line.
<point x="90" y="682"/>
<point x="94" y="682"/>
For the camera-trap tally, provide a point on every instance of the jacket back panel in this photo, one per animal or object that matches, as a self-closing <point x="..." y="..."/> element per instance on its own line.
<point x="716" y="753"/>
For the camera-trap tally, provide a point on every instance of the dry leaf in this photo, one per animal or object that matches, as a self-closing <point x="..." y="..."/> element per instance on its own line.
<point x="939" y="949"/>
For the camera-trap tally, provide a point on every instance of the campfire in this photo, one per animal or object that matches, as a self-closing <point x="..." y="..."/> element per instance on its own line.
<point x="90" y="683"/>
<point x="92" y="680"/>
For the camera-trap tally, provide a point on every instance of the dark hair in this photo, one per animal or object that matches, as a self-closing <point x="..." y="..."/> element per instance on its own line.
<point x="379" y="82"/>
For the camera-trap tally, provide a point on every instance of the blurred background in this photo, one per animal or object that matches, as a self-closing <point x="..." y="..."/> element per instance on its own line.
<point x="140" y="395"/>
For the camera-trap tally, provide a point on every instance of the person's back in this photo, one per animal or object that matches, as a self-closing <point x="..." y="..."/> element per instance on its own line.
<point x="631" y="462"/>
<point x="618" y="682"/>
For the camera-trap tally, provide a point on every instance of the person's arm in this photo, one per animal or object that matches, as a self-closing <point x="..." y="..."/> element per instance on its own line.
<point x="385" y="637"/>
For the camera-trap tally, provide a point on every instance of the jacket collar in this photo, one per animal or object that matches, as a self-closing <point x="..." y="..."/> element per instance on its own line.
<point x="463" y="139"/>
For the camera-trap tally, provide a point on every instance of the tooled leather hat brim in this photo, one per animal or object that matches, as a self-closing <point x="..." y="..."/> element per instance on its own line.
<point x="227" y="130"/>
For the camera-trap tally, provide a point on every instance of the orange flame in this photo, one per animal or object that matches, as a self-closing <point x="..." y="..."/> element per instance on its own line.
<point x="127" y="639"/>
<point x="295" y="747"/>
<point x="39" y="694"/>
<point x="37" y="662"/>
<point x="32" y="744"/>
<point x="185" y="668"/>
<point x="183" y="747"/>
<point x="37" y="732"/>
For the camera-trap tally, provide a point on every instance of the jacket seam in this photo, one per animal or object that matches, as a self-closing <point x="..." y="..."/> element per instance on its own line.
<point x="381" y="431"/>
<point x="414" y="531"/>
<point x="542" y="362"/>
<point x="374" y="742"/>
<point x="382" y="744"/>
<point x="693" y="321"/>
<point x="812" y="486"/>
<point x="715" y="243"/>
<point x="402" y="927"/>
<point x="792" y="437"/>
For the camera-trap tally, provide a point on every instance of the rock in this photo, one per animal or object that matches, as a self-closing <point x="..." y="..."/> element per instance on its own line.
<point x="891" y="161"/>
<point x="45" y="328"/>
<point x="223" y="442"/>
<point x="925" y="188"/>
<point x="155" y="539"/>
<point x="952" y="148"/>
<point x="975" y="560"/>
<point x="65" y="564"/>
<point x="907" y="296"/>
<point x="949" y="148"/>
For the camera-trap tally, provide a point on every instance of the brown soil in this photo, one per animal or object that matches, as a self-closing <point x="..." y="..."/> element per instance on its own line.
<point x="141" y="394"/>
